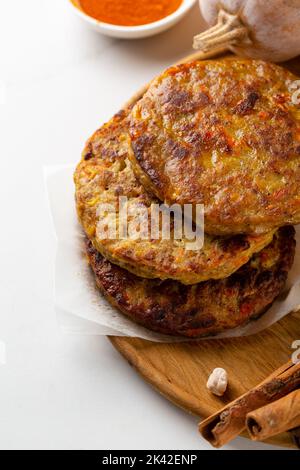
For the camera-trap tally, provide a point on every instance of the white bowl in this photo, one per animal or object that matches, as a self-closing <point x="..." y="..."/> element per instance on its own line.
<point x="134" y="32"/>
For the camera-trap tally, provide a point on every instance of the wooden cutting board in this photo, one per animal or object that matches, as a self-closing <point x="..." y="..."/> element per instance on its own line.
<point x="179" y="371"/>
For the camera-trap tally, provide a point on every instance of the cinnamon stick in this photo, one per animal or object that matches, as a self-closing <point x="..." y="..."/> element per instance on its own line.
<point x="229" y="422"/>
<point x="295" y="433"/>
<point x="274" y="418"/>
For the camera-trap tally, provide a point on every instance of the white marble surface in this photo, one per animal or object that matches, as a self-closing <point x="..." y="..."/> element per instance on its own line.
<point x="58" y="82"/>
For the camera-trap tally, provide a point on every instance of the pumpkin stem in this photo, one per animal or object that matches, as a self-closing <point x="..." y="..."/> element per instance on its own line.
<point x="228" y="31"/>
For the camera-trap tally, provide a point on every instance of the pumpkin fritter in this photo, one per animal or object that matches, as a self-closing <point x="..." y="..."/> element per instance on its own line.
<point x="104" y="175"/>
<point x="206" y="308"/>
<point x="226" y="134"/>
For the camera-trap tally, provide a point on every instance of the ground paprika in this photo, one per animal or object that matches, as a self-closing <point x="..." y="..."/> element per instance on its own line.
<point x="129" y="12"/>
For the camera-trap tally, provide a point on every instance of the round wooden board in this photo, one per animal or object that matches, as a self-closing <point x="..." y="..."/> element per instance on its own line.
<point x="179" y="371"/>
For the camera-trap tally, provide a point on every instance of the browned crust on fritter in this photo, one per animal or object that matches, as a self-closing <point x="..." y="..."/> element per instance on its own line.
<point x="103" y="175"/>
<point x="206" y="308"/>
<point x="225" y="134"/>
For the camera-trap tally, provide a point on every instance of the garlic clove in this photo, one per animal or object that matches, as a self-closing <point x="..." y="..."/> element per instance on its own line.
<point x="218" y="381"/>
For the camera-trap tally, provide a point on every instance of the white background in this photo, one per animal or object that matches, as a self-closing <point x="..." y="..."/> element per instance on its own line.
<point x="58" y="82"/>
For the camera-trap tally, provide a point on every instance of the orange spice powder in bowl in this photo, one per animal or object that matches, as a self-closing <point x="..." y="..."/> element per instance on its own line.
<point x="131" y="19"/>
<point x="129" y="12"/>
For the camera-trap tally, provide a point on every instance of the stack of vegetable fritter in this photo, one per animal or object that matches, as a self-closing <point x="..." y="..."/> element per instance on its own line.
<point x="223" y="134"/>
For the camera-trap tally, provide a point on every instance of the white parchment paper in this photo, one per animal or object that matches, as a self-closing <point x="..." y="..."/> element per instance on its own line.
<point x="80" y="306"/>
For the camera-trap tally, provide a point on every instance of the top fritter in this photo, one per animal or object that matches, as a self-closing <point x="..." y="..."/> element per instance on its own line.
<point x="225" y="134"/>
